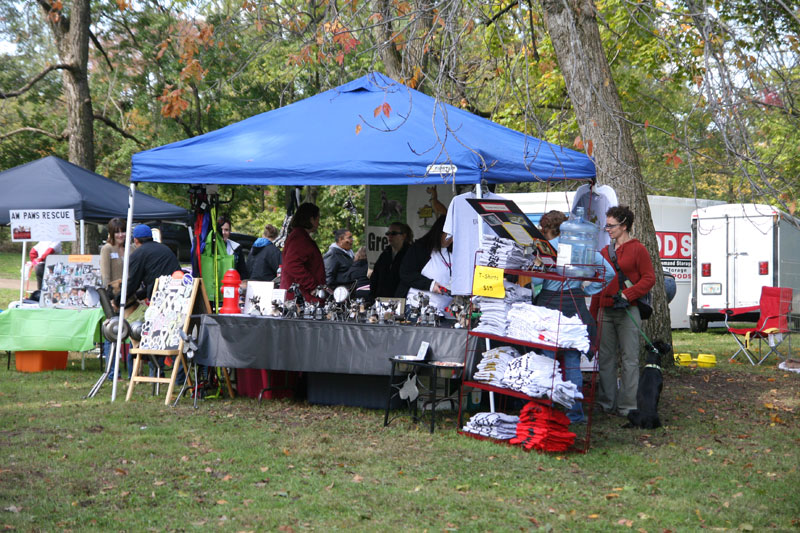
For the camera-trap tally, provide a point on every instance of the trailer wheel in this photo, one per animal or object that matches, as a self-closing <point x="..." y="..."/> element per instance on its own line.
<point x="698" y="324"/>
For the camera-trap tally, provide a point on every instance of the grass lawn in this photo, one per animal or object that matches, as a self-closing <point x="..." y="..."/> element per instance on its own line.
<point x="725" y="460"/>
<point x="9" y="265"/>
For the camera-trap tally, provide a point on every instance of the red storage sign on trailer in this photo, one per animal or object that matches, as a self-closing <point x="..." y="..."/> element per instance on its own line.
<point x="675" y="251"/>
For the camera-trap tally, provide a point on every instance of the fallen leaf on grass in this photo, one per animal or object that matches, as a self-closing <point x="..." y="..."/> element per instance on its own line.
<point x="612" y="495"/>
<point x="329" y="487"/>
<point x="357" y="479"/>
<point x="13" y="509"/>
<point x="264" y="468"/>
<point x="593" y="516"/>
<point x="625" y="522"/>
<point x="222" y="502"/>
<point x="159" y="483"/>
<point x="120" y="472"/>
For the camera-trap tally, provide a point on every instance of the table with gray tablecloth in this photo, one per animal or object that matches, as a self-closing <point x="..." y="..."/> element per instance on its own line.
<point x="338" y="355"/>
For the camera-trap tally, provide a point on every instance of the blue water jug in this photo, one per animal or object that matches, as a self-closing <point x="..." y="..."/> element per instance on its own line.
<point x="576" y="245"/>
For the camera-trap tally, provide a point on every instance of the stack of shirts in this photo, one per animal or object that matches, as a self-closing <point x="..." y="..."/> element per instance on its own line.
<point x="493" y="366"/>
<point x="533" y="323"/>
<point x="495" y="425"/>
<point x="540" y="377"/>
<point x="503" y="253"/>
<point x="494" y="311"/>
<point x="543" y="428"/>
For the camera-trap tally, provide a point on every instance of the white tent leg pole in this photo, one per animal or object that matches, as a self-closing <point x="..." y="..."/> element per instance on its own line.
<point x="22" y="273"/>
<point x="124" y="289"/>
<point x="83" y="238"/>
<point x="479" y="194"/>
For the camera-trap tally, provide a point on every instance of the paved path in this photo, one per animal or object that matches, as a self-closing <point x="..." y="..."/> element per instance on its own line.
<point x="10" y="283"/>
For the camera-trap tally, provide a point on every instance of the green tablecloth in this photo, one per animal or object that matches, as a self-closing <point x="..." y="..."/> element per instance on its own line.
<point x="50" y="329"/>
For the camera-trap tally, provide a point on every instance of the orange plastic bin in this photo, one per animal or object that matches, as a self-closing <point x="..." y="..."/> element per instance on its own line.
<point x="40" y="360"/>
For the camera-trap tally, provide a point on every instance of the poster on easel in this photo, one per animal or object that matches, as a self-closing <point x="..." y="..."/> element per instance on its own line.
<point x="174" y="299"/>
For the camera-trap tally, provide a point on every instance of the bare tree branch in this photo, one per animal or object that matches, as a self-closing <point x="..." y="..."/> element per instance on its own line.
<point x="100" y="48"/>
<point x="32" y="82"/>
<point x="111" y="124"/>
<point x="56" y="136"/>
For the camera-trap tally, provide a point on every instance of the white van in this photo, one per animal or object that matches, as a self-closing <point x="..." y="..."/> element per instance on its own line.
<point x="737" y="249"/>
<point x="672" y="221"/>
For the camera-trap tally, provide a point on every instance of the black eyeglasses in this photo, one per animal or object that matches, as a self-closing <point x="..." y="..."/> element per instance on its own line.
<point x="610" y="226"/>
<point x="391" y="233"/>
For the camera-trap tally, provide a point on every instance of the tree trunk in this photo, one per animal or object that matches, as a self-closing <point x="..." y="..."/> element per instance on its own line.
<point x="572" y="25"/>
<point x="71" y="35"/>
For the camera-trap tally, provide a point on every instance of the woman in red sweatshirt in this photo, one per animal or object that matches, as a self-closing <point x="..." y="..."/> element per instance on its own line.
<point x="620" y="318"/>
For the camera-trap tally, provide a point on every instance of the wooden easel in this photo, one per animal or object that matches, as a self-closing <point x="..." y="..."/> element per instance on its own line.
<point x="195" y="306"/>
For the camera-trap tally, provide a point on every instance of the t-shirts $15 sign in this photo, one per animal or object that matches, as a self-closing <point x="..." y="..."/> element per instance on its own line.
<point x="488" y="281"/>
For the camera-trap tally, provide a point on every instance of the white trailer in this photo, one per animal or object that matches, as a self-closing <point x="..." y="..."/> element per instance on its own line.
<point x="737" y="249"/>
<point x="672" y="221"/>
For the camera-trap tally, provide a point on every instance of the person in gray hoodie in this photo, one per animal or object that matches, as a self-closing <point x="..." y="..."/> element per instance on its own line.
<point x="264" y="258"/>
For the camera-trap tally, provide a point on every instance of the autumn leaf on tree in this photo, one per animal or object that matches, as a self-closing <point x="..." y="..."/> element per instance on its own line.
<point x="672" y="158"/>
<point x="578" y="143"/>
<point x="386" y="109"/>
<point x="358" y="129"/>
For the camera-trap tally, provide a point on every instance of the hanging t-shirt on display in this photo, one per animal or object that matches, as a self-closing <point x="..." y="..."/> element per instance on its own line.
<point x="462" y="224"/>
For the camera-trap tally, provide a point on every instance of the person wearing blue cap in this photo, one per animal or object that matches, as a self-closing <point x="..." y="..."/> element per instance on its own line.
<point x="148" y="261"/>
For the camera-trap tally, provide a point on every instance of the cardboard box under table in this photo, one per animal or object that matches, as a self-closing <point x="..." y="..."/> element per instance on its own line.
<point x="346" y="363"/>
<point x="40" y="337"/>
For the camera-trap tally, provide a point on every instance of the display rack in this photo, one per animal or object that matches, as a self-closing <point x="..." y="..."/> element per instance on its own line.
<point x="473" y="355"/>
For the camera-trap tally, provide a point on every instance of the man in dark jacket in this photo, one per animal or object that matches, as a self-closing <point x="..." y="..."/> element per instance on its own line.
<point x="339" y="258"/>
<point x="264" y="258"/>
<point x="148" y="261"/>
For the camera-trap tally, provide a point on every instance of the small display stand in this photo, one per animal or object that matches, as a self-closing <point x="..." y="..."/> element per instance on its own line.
<point x="410" y="366"/>
<point x="172" y="305"/>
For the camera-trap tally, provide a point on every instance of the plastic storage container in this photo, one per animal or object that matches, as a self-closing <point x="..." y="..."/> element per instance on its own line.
<point x="577" y="244"/>
<point x="40" y="360"/>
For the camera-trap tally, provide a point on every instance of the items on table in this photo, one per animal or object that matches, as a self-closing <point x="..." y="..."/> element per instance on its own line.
<point x="494" y="311"/>
<point x="494" y="425"/>
<point x="543" y="428"/>
<point x="492" y="367"/>
<point x="534" y="323"/>
<point x="503" y="253"/>
<point x="540" y="377"/>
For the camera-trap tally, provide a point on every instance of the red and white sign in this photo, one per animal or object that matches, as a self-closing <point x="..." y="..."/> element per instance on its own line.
<point x="674" y="245"/>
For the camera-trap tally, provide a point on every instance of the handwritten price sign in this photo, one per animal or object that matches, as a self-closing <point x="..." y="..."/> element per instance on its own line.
<point x="488" y="281"/>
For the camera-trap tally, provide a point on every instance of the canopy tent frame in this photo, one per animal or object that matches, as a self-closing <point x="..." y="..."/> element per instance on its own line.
<point x="429" y="141"/>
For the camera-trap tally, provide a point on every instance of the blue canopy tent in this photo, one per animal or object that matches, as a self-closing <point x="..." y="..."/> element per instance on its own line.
<point x="344" y="137"/>
<point x="370" y="131"/>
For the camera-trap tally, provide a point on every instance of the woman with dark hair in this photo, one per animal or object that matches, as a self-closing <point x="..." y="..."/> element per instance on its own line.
<point x="232" y="247"/>
<point x="302" y="260"/>
<point x="386" y="273"/>
<point x="112" y="252"/>
<point x="621" y="321"/>
<point x="427" y="267"/>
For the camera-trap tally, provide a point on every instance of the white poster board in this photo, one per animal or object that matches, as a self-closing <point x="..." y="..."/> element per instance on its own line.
<point x="69" y="280"/>
<point x="417" y="205"/>
<point x="42" y="225"/>
<point x="258" y="298"/>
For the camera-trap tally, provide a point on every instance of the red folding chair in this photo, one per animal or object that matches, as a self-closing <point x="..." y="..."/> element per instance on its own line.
<point x="775" y="305"/>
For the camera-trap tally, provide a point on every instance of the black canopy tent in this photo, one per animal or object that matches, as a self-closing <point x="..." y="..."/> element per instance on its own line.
<point x="52" y="183"/>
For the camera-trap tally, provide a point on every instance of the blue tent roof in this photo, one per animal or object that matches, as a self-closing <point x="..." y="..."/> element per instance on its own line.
<point x="52" y="183"/>
<point x="336" y="137"/>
